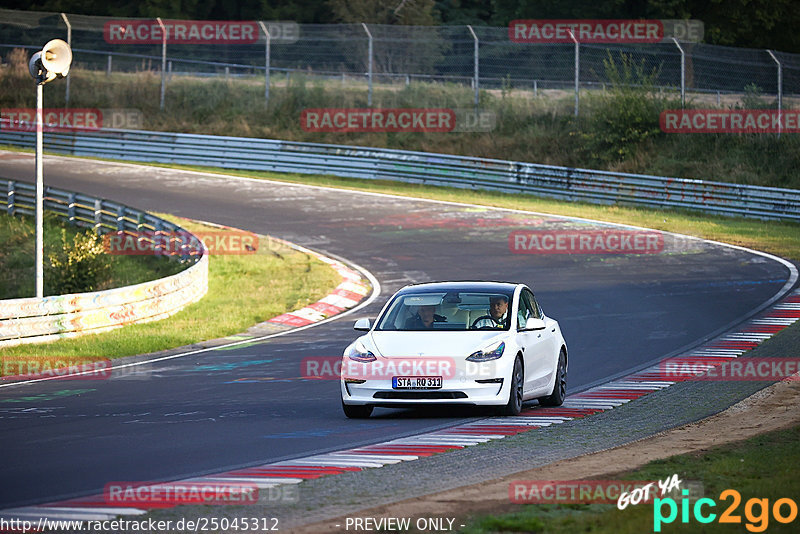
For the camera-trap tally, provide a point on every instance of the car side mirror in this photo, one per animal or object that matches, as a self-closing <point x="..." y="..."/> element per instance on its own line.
<point x="364" y="325"/>
<point x="534" y="324"/>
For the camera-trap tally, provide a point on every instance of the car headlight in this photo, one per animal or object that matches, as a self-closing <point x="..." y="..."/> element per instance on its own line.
<point x="359" y="353"/>
<point x="492" y="352"/>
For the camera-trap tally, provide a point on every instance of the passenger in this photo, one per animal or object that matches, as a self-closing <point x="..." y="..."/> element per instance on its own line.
<point x="424" y="318"/>
<point x="497" y="316"/>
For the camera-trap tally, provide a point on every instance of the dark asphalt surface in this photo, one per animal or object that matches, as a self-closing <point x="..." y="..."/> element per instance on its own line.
<point x="248" y="405"/>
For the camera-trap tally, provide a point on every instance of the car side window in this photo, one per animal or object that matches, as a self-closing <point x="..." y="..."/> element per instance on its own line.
<point x="536" y="308"/>
<point x="526" y="309"/>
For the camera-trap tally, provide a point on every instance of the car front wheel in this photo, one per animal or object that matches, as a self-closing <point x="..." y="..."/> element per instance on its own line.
<point x="556" y="398"/>
<point x="514" y="405"/>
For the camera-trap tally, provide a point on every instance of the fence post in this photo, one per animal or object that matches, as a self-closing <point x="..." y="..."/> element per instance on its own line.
<point x="577" y="69"/>
<point x="477" y="59"/>
<point x="369" y="65"/>
<point x="108" y="66"/>
<point x="780" y="91"/>
<point x="163" y="61"/>
<point x="266" y="60"/>
<point x="683" y="73"/>
<point x="69" y="42"/>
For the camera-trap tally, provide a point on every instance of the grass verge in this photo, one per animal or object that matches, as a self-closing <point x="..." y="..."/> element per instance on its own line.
<point x="759" y="468"/>
<point x="242" y="290"/>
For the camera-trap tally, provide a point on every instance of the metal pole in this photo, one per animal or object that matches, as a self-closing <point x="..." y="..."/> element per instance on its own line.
<point x="477" y="57"/>
<point x="266" y="61"/>
<point x="683" y="73"/>
<point x="163" y="61"/>
<point x="369" y="65"/>
<point x="780" y="91"/>
<point x="108" y="66"/>
<point x="577" y="69"/>
<point x="69" y="42"/>
<point x="39" y="197"/>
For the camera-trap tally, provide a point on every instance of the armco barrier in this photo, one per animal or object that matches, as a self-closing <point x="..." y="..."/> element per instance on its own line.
<point x="458" y="171"/>
<point x="33" y="320"/>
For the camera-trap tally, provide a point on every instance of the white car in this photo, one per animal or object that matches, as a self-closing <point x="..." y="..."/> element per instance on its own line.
<point x="472" y="343"/>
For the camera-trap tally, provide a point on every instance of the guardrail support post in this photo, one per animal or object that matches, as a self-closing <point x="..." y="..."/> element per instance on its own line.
<point x="369" y="65"/>
<point x="476" y="59"/>
<point x="163" y="61"/>
<point x="69" y="42"/>
<point x="98" y="215"/>
<point x="267" y="61"/>
<point x="10" y="198"/>
<point x="120" y="218"/>
<point x="780" y="91"/>
<point x="683" y="73"/>
<point x="577" y="69"/>
<point x="71" y="208"/>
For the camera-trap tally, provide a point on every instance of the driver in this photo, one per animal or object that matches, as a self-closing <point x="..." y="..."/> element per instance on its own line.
<point x="497" y="316"/>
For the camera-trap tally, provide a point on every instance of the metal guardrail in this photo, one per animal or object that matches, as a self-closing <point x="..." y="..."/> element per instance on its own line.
<point x="33" y="320"/>
<point x="423" y="167"/>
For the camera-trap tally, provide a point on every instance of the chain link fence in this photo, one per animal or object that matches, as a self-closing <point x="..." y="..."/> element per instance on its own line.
<point x="396" y="56"/>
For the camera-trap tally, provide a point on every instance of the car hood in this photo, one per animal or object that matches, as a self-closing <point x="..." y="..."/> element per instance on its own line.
<point x="432" y="344"/>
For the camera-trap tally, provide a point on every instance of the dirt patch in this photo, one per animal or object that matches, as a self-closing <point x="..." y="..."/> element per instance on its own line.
<point x="773" y="408"/>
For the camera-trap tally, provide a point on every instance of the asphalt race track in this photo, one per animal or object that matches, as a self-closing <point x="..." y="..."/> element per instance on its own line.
<point x="249" y="405"/>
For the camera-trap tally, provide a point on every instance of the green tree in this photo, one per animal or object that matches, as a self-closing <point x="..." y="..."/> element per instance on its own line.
<point x="406" y="12"/>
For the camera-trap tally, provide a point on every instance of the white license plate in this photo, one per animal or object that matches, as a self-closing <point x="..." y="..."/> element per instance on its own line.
<point x="417" y="382"/>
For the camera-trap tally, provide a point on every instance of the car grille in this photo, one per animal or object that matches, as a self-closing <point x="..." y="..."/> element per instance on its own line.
<point x="419" y="395"/>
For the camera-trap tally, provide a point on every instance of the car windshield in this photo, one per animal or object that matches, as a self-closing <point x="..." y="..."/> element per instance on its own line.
<point x="448" y="310"/>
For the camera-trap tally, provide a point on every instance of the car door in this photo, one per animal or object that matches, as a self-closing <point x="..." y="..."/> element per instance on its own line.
<point x="551" y="345"/>
<point x="534" y="342"/>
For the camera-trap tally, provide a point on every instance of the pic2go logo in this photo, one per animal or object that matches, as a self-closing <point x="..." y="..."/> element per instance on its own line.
<point x="756" y="511"/>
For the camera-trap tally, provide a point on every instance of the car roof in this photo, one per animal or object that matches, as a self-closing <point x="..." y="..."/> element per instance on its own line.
<point x="467" y="285"/>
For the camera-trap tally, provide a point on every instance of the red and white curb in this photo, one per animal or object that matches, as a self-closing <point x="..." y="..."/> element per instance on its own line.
<point x="598" y="399"/>
<point x="348" y="294"/>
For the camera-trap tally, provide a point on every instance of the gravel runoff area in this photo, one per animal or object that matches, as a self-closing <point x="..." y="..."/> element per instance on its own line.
<point x="475" y="479"/>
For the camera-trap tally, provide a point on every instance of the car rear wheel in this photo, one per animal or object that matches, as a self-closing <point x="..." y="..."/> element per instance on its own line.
<point x="514" y="406"/>
<point x="556" y="398"/>
<point x="357" y="411"/>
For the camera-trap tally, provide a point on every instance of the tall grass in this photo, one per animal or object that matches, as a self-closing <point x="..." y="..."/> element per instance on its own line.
<point x="615" y="131"/>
